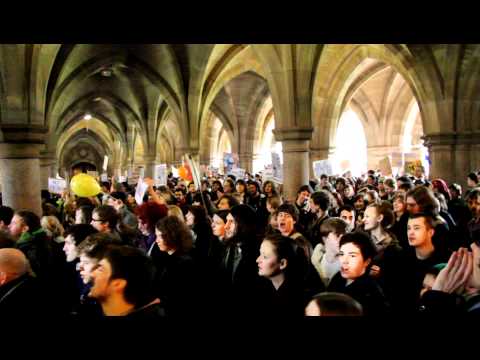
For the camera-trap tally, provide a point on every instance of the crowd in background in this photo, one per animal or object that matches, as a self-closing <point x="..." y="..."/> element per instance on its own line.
<point x="371" y="245"/>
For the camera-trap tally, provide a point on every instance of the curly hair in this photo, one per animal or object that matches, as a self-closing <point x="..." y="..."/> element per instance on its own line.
<point x="175" y="233"/>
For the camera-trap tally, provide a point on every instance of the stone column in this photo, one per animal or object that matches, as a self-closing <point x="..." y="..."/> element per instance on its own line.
<point x="441" y="152"/>
<point x="48" y="168"/>
<point x="246" y="161"/>
<point x="149" y="161"/>
<point x="296" y="159"/>
<point x="20" y="176"/>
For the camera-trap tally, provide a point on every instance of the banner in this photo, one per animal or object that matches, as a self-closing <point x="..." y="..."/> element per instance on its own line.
<point x="277" y="168"/>
<point x="56" y="186"/>
<point x="322" y="167"/>
<point x="160" y="177"/>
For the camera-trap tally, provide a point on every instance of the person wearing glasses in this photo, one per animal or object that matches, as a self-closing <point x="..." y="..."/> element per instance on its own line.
<point x="104" y="220"/>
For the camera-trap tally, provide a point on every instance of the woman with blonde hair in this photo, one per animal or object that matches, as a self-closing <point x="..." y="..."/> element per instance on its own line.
<point x="174" y="210"/>
<point x="53" y="228"/>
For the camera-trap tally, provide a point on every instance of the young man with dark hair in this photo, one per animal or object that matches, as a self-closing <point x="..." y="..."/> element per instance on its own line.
<point x="301" y="203"/>
<point x="123" y="284"/>
<point x="319" y="205"/>
<point x="104" y="219"/>
<point x="347" y="214"/>
<point x="421" y="257"/>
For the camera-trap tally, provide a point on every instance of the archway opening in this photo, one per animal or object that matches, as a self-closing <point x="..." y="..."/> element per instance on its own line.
<point x="350" y="145"/>
<point x="268" y="146"/>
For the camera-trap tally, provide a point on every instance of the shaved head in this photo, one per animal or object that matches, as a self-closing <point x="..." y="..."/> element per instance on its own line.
<point x="13" y="264"/>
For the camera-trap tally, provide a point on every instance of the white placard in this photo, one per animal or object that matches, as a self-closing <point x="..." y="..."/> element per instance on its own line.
<point x="239" y="173"/>
<point x="140" y="192"/>
<point x="122" y="179"/>
<point x="267" y="174"/>
<point x="104" y="177"/>
<point x="174" y="171"/>
<point x="322" y="167"/>
<point x="160" y="174"/>
<point x="105" y="163"/>
<point x="56" y="186"/>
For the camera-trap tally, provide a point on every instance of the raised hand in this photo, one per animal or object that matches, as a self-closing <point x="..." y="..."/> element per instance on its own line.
<point x="457" y="272"/>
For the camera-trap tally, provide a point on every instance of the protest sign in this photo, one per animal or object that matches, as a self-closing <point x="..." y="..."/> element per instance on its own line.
<point x="160" y="174"/>
<point x="56" y="186"/>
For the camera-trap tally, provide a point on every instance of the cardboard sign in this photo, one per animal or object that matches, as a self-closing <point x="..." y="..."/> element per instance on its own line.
<point x="160" y="174"/>
<point x="56" y="186"/>
<point x="385" y="166"/>
<point x="322" y="167"/>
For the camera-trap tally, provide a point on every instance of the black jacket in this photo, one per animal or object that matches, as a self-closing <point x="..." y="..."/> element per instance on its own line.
<point x="414" y="273"/>
<point x="23" y="298"/>
<point x="363" y="289"/>
<point x="177" y="284"/>
<point x="288" y="301"/>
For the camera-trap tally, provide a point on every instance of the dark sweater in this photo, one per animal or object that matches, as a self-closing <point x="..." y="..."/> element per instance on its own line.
<point x="363" y="289"/>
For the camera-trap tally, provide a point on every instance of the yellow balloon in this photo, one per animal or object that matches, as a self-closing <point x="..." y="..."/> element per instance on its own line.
<point x="84" y="185"/>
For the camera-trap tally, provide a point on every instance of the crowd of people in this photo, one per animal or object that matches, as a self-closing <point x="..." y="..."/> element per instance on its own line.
<point x="372" y="245"/>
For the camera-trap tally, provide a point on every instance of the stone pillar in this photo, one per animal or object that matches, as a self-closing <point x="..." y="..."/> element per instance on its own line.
<point x="246" y="161"/>
<point x="48" y="168"/>
<point x="453" y="156"/>
<point x="149" y="161"/>
<point x="20" y="176"/>
<point x="440" y="148"/>
<point x="296" y="159"/>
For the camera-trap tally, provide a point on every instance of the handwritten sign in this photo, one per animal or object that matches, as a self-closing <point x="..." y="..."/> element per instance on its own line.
<point x="160" y="174"/>
<point x="56" y="186"/>
<point x="322" y="167"/>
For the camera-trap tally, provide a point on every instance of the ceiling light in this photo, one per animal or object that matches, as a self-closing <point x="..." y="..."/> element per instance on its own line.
<point x="87" y="117"/>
